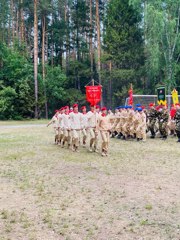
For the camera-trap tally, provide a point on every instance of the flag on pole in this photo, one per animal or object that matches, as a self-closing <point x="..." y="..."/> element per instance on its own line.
<point x="161" y="95"/>
<point x="93" y="94"/>
<point x="130" y="101"/>
<point x="175" y="96"/>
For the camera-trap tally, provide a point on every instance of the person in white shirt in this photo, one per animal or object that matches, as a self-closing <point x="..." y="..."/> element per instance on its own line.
<point x="98" y="109"/>
<point x="75" y="125"/>
<point x="66" y="127"/>
<point x="55" y="123"/>
<point x="60" y="134"/>
<point x="92" y="128"/>
<point x="84" y="124"/>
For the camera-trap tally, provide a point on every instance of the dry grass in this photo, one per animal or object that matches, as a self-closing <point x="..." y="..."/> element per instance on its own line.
<point x="50" y="193"/>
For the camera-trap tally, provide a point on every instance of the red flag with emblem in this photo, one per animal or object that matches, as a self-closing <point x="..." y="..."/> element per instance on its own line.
<point x="93" y="94"/>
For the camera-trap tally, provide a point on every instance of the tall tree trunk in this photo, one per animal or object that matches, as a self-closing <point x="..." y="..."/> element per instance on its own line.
<point x="66" y="18"/>
<point x="77" y="46"/>
<point x="22" y="22"/>
<point x="17" y="24"/>
<point x="52" y="49"/>
<point x="90" y="40"/>
<point x="43" y="46"/>
<point x="98" y="40"/>
<point x="110" y="83"/>
<point x="43" y="61"/>
<point x="52" y="40"/>
<point x="9" y="32"/>
<point x="98" y="43"/>
<point x="36" y="58"/>
<point x="12" y="20"/>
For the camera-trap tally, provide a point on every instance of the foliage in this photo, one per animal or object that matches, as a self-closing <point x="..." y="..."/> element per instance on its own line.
<point x="162" y="40"/>
<point x="140" y="44"/>
<point x="7" y="102"/>
<point x="124" y="45"/>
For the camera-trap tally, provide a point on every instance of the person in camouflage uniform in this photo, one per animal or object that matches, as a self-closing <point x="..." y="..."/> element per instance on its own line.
<point x="171" y="123"/>
<point x="177" y="119"/>
<point x="163" y="117"/>
<point x="152" y="118"/>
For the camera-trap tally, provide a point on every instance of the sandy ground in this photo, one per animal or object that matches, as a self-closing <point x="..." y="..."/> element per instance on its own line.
<point x="49" y="193"/>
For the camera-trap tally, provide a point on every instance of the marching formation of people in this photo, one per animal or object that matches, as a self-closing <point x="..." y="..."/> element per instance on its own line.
<point x="156" y="120"/>
<point x="73" y="128"/>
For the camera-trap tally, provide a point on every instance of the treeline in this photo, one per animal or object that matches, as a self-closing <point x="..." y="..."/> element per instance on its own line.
<point x="50" y="49"/>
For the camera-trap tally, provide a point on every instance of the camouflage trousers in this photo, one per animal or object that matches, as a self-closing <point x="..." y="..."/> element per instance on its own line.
<point x="152" y="123"/>
<point x="178" y="129"/>
<point x="163" y="128"/>
<point x="141" y="132"/>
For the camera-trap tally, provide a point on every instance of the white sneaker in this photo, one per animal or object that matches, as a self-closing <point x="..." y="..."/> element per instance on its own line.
<point x="96" y="151"/>
<point x="77" y="150"/>
<point x="103" y="154"/>
<point x="90" y="149"/>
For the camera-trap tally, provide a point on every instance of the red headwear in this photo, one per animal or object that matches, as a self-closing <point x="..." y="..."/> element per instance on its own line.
<point x="172" y="113"/>
<point x="103" y="109"/>
<point x="93" y="105"/>
<point x="151" y="104"/>
<point x="83" y="107"/>
<point x="66" y="107"/>
<point x="97" y="107"/>
<point x="157" y="108"/>
<point x="75" y="105"/>
<point x="62" y="108"/>
<point x="143" y="107"/>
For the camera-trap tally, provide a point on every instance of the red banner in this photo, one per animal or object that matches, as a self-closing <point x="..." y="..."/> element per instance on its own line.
<point x="130" y="101"/>
<point x="93" y="94"/>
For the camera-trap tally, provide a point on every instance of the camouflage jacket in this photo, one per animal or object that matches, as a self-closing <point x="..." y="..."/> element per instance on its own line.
<point x="152" y="114"/>
<point x="163" y="116"/>
<point x="177" y="117"/>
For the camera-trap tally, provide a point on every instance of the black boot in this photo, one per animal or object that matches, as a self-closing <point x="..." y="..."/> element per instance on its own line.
<point x="172" y="132"/>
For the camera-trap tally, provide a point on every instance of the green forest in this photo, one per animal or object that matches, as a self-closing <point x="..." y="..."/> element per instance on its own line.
<point x="50" y="49"/>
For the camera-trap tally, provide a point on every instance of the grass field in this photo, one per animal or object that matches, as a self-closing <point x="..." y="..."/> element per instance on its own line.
<point x="49" y="193"/>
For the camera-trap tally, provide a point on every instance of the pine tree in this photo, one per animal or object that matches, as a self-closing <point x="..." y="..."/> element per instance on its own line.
<point x="123" y="45"/>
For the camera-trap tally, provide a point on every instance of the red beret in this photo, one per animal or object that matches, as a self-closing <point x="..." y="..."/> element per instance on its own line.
<point x="97" y="106"/>
<point x="151" y="104"/>
<point x="93" y="105"/>
<point x="103" y="109"/>
<point x="157" y="108"/>
<point x="83" y="107"/>
<point x="66" y="107"/>
<point x="75" y="105"/>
